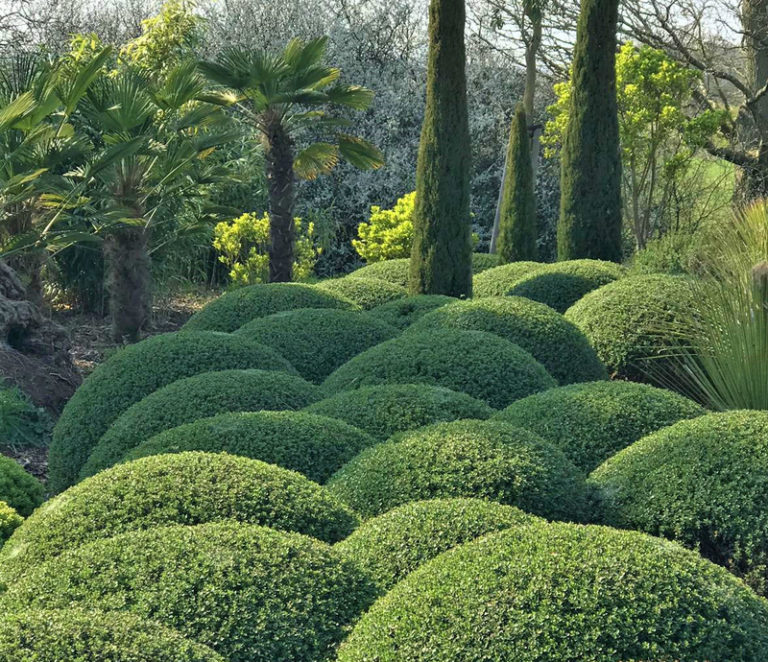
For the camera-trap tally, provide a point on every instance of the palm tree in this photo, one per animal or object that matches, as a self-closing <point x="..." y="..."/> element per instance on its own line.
<point x="279" y="95"/>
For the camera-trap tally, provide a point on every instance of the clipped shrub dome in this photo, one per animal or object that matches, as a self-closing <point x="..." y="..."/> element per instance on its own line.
<point x="397" y="271"/>
<point x="194" y="398"/>
<point x="251" y="593"/>
<point x="18" y="489"/>
<point x="381" y="411"/>
<point x="365" y="292"/>
<point x="591" y="422"/>
<point x="133" y="373"/>
<point x="233" y="309"/>
<point x="318" y="340"/>
<point x="481" y="364"/>
<point x="498" y="281"/>
<point x="484" y="459"/>
<point x="72" y="635"/>
<point x="562" y="592"/>
<point x="702" y="482"/>
<point x="625" y="322"/>
<point x="185" y="488"/>
<point x="316" y="446"/>
<point x="552" y="340"/>
<point x="404" y="312"/>
<point x="9" y="521"/>
<point x="481" y="262"/>
<point x="394" y="544"/>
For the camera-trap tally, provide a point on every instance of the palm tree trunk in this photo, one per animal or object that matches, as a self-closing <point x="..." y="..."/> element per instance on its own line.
<point x="280" y="155"/>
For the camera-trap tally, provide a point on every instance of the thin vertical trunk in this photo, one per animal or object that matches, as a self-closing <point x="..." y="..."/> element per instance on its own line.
<point x="282" y="233"/>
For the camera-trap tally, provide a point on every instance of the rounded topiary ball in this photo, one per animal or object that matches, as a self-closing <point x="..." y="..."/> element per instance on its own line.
<point x="18" y="489"/>
<point x="316" y="446"/>
<point x="498" y="281"/>
<point x="551" y="339"/>
<point x="591" y="422"/>
<point x="484" y="459"/>
<point x="404" y="312"/>
<point x="702" y="482"/>
<point x="628" y="322"/>
<point x="233" y="309"/>
<point x="397" y="271"/>
<point x="481" y="262"/>
<point x="133" y="373"/>
<point x="9" y="521"/>
<point x="184" y="488"/>
<point x="394" y="544"/>
<point x="365" y="292"/>
<point x="73" y="635"/>
<point x="381" y="411"/>
<point x="563" y="592"/>
<point x="481" y="364"/>
<point x="318" y="340"/>
<point x="194" y="398"/>
<point x="251" y="593"/>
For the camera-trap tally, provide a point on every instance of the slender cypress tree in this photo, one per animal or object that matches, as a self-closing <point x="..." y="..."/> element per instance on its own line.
<point x="590" y="181"/>
<point x="442" y="250"/>
<point x="517" y="224"/>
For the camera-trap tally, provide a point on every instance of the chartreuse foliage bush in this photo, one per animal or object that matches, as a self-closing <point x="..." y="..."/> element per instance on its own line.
<point x="394" y="544"/>
<point x="388" y="234"/>
<point x="252" y="593"/>
<point x="563" y="592"/>
<point x="591" y="422"/>
<point x="629" y="322"/>
<point x="381" y="411"/>
<point x="318" y="340"/>
<point x="135" y="372"/>
<point x="404" y="312"/>
<point x="9" y="521"/>
<point x="72" y="635"/>
<point x="194" y="398"/>
<point x="498" y="281"/>
<point x="316" y="446"/>
<point x="484" y="459"/>
<point x="365" y="292"/>
<point x="233" y="309"/>
<point x="396" y="271"/>
<point x="182" y="488"/>
<point x="701" y="482"/>
<point x="18" y="489"/>
<point x="481" y="364"/>
<point x="553" y="341"/>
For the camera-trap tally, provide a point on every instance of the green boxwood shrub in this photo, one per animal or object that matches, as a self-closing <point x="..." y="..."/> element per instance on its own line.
<point x="381" y="411"/>
<point x="20" y="490"/>
<point x="481" y="262"/>
<point x="81" y="636"/>
<point x="184" y="488"/>
<point x="562" y="284"/>
<point x="591" y="422"/>
<point x="316" y="446"/>
<point x="397" y="271"/>
<point x="498" y="281"/>
<point x="563" y="592"/>
<point x="318" y="340"/>
<point x="394" y="544"/>
<point x="9" y="521"/>
<point x="552" y="340"/>
<point x="404" y="312"/>
<point x="194" y="398"/>
<point x="233" y="309"/>
<point x="135" y="372"/>
<point x="625" y="322"/>
<point x="365" y="292"/>
<point x="251" y="593"/>
<point x="481" y="364"/>
<point x="484" y="459"/>
<point x="702" y="482"/>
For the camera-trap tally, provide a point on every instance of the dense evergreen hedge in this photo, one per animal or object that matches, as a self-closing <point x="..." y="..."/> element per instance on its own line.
<point x="394" y="544"/>
<point x="381" y="411"/>
<point x="498" y="281"/>
<point x="318" y="340"/>
<point x="702" y="482"/>
<point x="233" y="309"/>
<point x="563" y="592"/>
<point x="404" y="312"/>
<point x="481" y="364"/>
<point x="396" y="271"/>
<point x="185" y="488"/>
<point x="316" y="446"/>
<point x="591" y="422"/>
<point x="552" y="340"/>
<point x="484" y="459"/>
<point x="194" y="398"/>
<point x="133" y="373"/>
<point x="365" y="292"/>
<point x="9" y="521"/>
<point x="18" y="489"/>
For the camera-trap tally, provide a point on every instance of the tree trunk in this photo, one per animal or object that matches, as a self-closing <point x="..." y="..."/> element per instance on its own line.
<point x="279" y="150"/>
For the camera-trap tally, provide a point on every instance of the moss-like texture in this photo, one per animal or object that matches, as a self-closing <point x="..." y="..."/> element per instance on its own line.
<point x="18" y="489"/>
<point x="499" y="281"/>
<point x="404" y="312"/>
<point x="365" y="292"/>
<point x="9" y="521"/>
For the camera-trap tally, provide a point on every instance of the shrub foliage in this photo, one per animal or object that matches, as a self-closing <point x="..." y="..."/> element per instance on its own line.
<point x="365" y="292"/>
<point x="404" y="312"/>
<point x="19" y="489"/>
